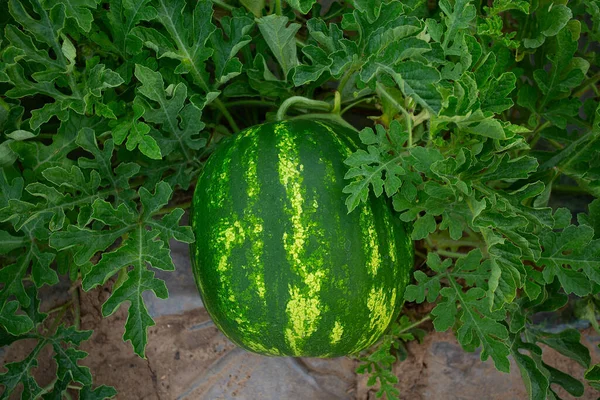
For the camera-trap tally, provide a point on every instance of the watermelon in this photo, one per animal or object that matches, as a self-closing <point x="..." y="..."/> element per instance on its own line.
<point x="282" y="268"/>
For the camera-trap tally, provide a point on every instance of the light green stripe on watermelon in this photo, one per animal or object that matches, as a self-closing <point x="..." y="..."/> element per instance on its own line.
<point x="369" y="234"/>
<point x="226" y="235"/>
<point x="255" y="224"/>
<point x="260" y="348"/>
<point x="391" y="240"/>
<point x="342" y="147"/>
<point x="381" y="311"/>
<point x="381" y="308"/>
<point x="304" y="305"/>
<point x="336" y="333"/>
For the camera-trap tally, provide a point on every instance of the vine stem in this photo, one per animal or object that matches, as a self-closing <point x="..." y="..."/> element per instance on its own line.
<point x="262" y="103"/>
<point x="421" y="117"/>
<point x="569" y="189"/>
<point x="584" y="87"/>
<point x="442" y="242"/>
<point x="219" y="104"/>
<point x="167" y="210"/>
<point x="452" y="254"/>
<point x="344" y="80"/>
<point x="278" y="7"/>
<point x="537" y="133"/>
<point x="48" y="387"/>
<point x="355" y="103"/>
<point x="383" y="93"/>
<point x="415" y="324"/>
<point x="302" y="101"/>
<point x="224" y="5"/>
<point x="59" y="308"/>
<point x="76" y="308"/>
<point x="57" y="321"/>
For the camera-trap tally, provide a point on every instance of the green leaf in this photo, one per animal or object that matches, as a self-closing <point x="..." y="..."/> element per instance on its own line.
<point x="569" y="383"/>
<point x="254" y="6"/>
<point x="302" y="6"/>
<point x="9" y="242"/>
<point x="47" y="28"/>
<point x="578" y="159"/>
<point x="141" y="248"/>
<point x="79" y="10"/>
<point x="227" y="42"/>
<point x="304" y="74"/>
<point x="14" y="323"/>
<point x="180" y="121"/>
<point x="67" y="358"/>
<point x="378" y="167"/>
<point x="500" y="6"/>
<point x="458" y="17"/>
<point x="121" y="21"/>
<point x="423" y="227"/>
<point x="566" y="71"/>
<point x="136" y="133"/>
<point x="482" y="327"/>
<point x="117" y="179"/>
<point x="138" y="320"/>
<point x="33" y="257"/>
<point x="477" y="123"/>
<point x="427" y="286"/>
<point x="189" y="35"/>
<point x="417" y="80"/>
<point x="19" y="372"/>
<point x="496" y="95"/>
<point x="63" y="342"/>
<point x="573" y="256"/>
<point x="550" y="20"/>
<point x="535" y="379"/>
<point x="281" y="39"/>
<point x="100" y="393"/>
<point x="592" y="375"/>
<point x="567" y="343"/>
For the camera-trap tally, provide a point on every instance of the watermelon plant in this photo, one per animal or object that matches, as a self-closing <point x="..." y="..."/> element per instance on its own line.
<point x="473" y="126"/>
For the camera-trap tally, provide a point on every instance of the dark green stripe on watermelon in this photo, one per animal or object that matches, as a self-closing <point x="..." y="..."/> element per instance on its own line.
<point x="283" y="269"/>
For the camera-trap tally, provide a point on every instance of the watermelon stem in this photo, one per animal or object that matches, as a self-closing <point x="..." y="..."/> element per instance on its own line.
<point x="337" y="103"/>
<point x="302" y="102"/>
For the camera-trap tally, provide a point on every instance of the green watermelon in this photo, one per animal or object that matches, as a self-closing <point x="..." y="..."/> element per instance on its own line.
<point x="282" y="267"/>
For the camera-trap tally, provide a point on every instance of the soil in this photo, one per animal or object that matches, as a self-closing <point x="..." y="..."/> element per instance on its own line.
<point x="188" y="358"/>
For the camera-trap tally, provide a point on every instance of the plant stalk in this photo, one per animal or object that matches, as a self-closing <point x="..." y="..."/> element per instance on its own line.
<point x="452" y="254"/>
<point x="224" y="5"/>
<point x="76" y="308"/>
<point x="303" y="102"/>
<point x="415" y="324"/>
<point x="219" y="104"/>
